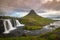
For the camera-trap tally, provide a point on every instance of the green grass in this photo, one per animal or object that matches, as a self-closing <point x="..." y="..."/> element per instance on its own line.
<point x="32" y="27"/>
<point x="23" y="38"/>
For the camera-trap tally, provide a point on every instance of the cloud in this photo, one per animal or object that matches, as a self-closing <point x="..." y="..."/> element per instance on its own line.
<point x="7" y="6"/>
<point x="30" y="4"/>
<point x="54" y="5"/>
<point x="26" y="4"/>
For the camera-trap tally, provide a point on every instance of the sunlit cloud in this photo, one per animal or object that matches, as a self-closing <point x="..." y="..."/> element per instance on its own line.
<point x="45" y="1"/>
<point x="58" y="0"/>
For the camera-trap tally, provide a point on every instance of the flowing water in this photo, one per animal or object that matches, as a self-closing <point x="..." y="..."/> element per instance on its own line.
<point x="10" y="27"/>
<point x="18" y="24"/>
<point x="48" y="28"/>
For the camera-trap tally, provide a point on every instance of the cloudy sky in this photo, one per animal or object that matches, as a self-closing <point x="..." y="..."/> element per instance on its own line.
<point x="9" y="6"/>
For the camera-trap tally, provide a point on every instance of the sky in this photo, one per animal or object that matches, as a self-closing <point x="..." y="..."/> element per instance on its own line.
<point x="11" y="7"/>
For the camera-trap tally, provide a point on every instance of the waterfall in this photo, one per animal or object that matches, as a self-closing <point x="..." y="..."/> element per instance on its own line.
<point x="9" y="26"/>
<point x="6" y="31"/>
<point x="18" y="24"/>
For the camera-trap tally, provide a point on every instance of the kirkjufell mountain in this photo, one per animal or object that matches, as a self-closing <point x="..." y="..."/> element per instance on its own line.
<point x="33" y="20"/>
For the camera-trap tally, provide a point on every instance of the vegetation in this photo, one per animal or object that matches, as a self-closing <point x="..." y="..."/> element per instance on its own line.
<point x="32" y="21"/>
<point x="23" y="38"/>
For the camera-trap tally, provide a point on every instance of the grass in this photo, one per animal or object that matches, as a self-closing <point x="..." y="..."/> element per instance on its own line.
<point x="32" y="27"/>
<point x="35" y="23"/>
<point x="23" y="38"/>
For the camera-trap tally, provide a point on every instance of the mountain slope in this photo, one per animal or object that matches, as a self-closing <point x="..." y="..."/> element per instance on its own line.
<point x="33" y="21"/>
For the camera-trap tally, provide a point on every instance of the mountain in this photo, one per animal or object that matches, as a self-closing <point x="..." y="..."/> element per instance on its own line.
<point x="33" y="21"/>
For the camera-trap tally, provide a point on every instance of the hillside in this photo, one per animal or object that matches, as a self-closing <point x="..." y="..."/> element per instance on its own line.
<point x="33" y="21"/>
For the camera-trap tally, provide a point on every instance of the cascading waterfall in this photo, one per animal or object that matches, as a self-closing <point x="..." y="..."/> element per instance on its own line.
<point x="18" y="24"/>
<point x="9" y="25"/>
<point x="6" y="31"/>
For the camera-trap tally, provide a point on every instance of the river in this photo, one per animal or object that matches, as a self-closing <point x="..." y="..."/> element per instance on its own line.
<point x="45" y="29"/>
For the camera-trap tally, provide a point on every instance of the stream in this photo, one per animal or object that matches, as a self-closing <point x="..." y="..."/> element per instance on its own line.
<point x="45" y="29"/>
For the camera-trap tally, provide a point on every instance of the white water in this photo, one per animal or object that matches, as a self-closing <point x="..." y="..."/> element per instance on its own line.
<point x="18" y="24"/>
<point x="55" y="24"/>
<point x="9" y="25"/>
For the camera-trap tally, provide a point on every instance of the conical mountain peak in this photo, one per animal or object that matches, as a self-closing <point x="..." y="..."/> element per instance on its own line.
<point x="32" y="12"/>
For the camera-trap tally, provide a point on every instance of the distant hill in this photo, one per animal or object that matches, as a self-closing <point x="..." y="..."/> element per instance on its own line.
<point x="33" y="21"/>
<point x="7" y="17"/>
